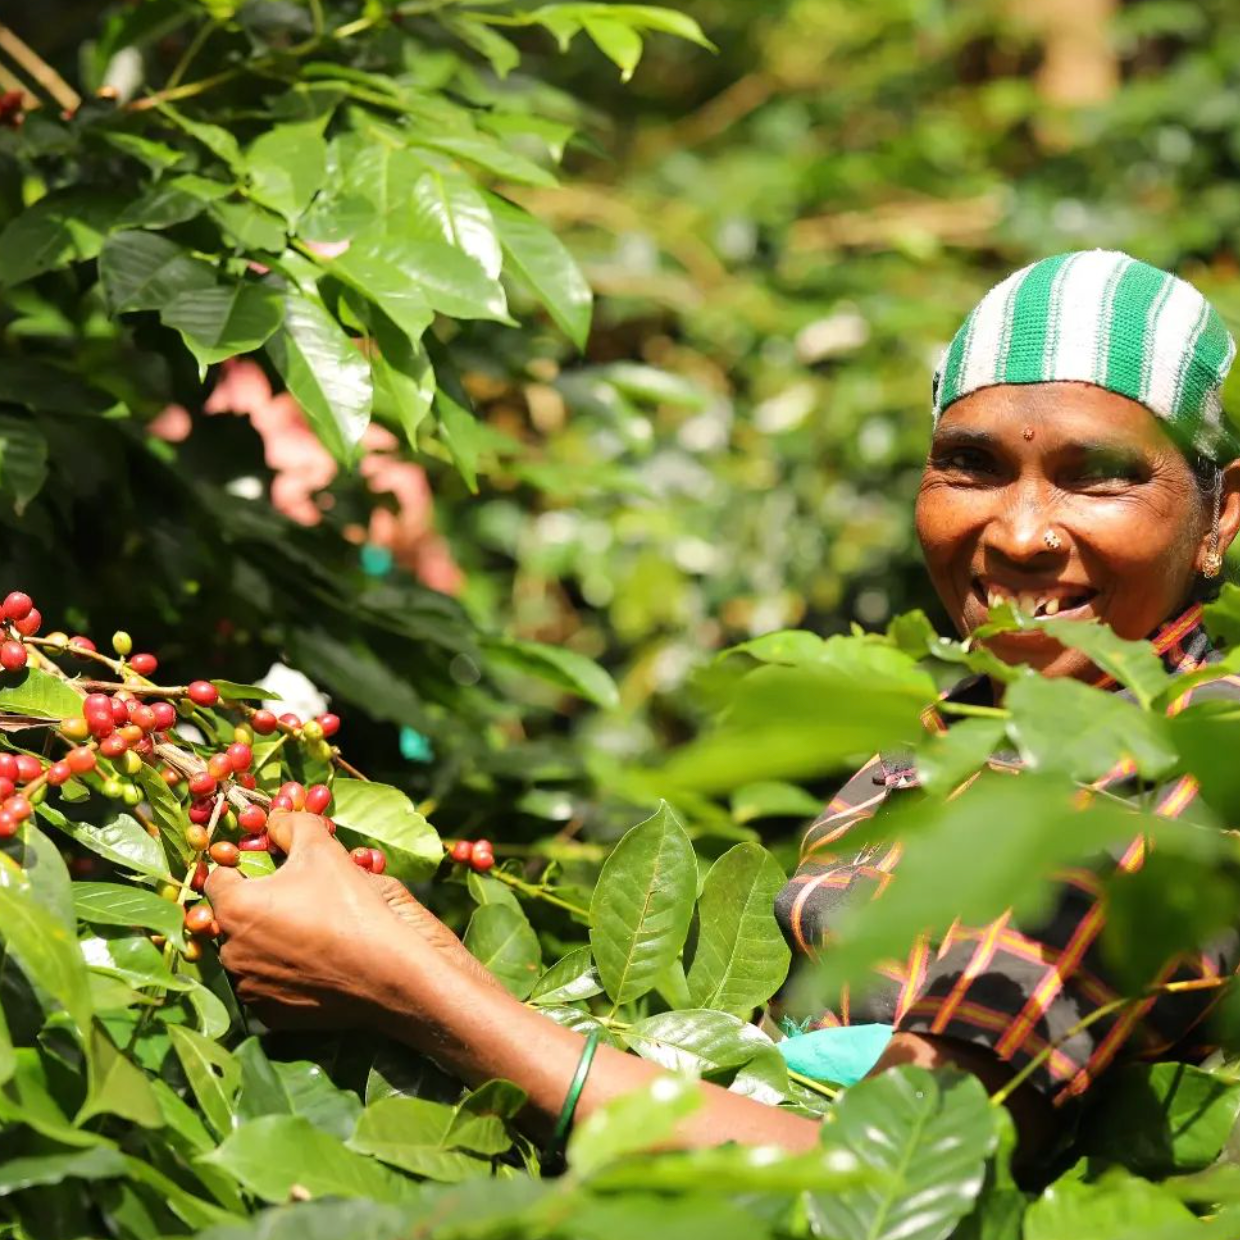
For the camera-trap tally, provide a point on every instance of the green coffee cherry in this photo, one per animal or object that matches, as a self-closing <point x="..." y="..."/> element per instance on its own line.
<point x="122" y="643"/>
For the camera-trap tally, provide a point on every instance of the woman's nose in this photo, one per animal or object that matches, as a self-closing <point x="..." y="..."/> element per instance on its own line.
<point x="1017" y="532"/>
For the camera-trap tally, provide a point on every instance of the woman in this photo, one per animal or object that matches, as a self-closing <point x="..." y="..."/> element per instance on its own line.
<point x="1078" y="467"/>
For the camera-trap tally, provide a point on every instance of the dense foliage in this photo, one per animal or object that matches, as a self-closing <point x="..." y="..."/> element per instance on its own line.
<point x="362" y="200"/>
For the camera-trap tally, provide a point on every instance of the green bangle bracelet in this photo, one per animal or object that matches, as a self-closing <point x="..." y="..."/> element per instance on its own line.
<point x="555" y="1150"/>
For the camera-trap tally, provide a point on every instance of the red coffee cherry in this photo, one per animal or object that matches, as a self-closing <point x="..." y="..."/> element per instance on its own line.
<point x="113" y="746"/>
<point x="203" y="693"/>
<point x="29" y="624"/>
<point x="131" y="733"/>
<point x="28" y="767"/>
<point x="295" y="793"/>
<point x="165" y="715"/>
<point x="12" y="656"/>
<point x="82" y="643"/>
<point x="378" y="862"/>
<point x="143" y="716"/>
<point x="200" y="811"/>
<point x="196" y="837"/>
<point x="8" y="766"/>
<point x="17" y="605"/>
<point x="218" y="766"/>
<point x="240" y="756"/>
<point x="482" y="861"/>
<point x="331" y="826"/>
<point x="59" y="773"/>
<point x="318" y="798"/>
<point x="18" y="808"/>
<point x="81" y="760"/>
<point x="246" y="780"/>
<point x="225" y="852"/>
<point x="259" y="842"/>
<point x="281" y="802"/>
<point x="171" y="776"/>
<point x="462" y="850"/>
<point x="202" y="784"/>
<point x="264" y="722"/>
<point x="119" y="707"/>
<point x="361" y="856"/>
<point x="198" y="918"/>
<point x="329" y="723"/>
<point x="7" y="787"/>
<point x="199" y="881"/>
<point x="8" y="824"/>
<point x="252" y="819"/>
<point x="290" y="720"/>
<point x="143" y="664"/>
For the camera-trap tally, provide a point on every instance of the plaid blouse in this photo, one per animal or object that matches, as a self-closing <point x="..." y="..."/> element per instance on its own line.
<point x="1012" y="989"/>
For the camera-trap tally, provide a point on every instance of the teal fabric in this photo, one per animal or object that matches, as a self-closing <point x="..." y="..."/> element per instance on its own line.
<point x="842" y="1055"/>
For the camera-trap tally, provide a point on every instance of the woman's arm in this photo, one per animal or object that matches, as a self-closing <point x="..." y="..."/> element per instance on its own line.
<point x="321" y="943"/>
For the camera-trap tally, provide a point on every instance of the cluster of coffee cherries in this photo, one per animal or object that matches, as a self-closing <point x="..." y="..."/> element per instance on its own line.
<point x="12" y="109"/>
<point x="477" y="854"/>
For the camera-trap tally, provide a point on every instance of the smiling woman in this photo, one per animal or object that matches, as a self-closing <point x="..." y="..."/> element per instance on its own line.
<point x="1080" y="467"/>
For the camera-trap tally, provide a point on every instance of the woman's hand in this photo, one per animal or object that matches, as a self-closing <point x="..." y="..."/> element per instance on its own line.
<point x="320" y="942"/>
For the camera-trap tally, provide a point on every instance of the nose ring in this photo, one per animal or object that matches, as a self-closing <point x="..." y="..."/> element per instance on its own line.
<point x="1052" y="540"/>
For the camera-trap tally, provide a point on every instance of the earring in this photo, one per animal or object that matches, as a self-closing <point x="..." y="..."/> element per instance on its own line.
<point x="1212" y="565"/>
<point x="1052" y="540"/>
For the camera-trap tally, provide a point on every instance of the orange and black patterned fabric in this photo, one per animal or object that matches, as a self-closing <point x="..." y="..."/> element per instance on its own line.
<point x="1014" y="989"/>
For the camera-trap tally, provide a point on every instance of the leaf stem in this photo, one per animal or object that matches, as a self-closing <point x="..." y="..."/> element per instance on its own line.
<point x="539" y="893"/>
<point x="817" y="1087"/>
<point x="972" y="712"/>
<point x="39" y="70"/>
<point x="196" y="44"/>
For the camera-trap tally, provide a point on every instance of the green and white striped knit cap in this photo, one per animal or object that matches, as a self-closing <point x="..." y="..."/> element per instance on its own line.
<point x="1100" y="317"/>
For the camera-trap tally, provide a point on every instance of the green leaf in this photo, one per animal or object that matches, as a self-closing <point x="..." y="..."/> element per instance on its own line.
<point x="111" y="904"/>
<point x="326" y="374"/>
<point x="1133" y="664"/>
<point x="287" y="166"/>
<point x="403" y="377"/>
<point x="459" y="429"/>
<point x="8" y="1056"/>
<point x="1201" y="732"/>
<point x="312" y="1095"/>
<point x="33" y="692"/>
<point x="100" y="1163"/>
<point x="394" y="270"/>
<point x="486" y="890"/>
<point x="481" y="1121"/>
<point x="218" y="141"/>
<point x="116" y="837"/>
<point x="377" y="277"/>
<point x="945" y="761"/>
<point x="1160" y="1119"/>
<point x="412" y="1134"/>
<point x="46" y="951"/>
<point x="1104" y="729"/>
<point x="955" y="865"/>
<point x="1120" y="1207"/>
<point x="700" y="1042"/>
<point x="250" y="226"/>
<point x="657" y="17"/>
<point x="741" y="957"/>
<point x="67" y="226"/>
<point x="45" y="870"/>
<point x="501" y="54"/>
<point x="573" y="977"/>
<point x="23" y="462"/>
<point x="930" y="1136"/>
<point x="566" y="669"/>
<point x="145" y="271"/>
<point x="279" y="1155"/>
<point x="261" y="1091"/>
<point x="384" y="817"/>
<point x="492" y="156"/>
<point x="132" y="958"/>
<point x="544" y="263"/>
<point x="772" y="799"/>
<point x="235" y="691"/>
<point x="641" y="1119"/>
<point x="174" y="201"/>
<point x="503" y="940"/>
<point x="222" y="322"/>
<point x="213" y="1074"/>
<point x="168" y="813"/>
<point x="620" y="43"/>
<point x="118" y="1086"/>
<point x="448" y="207"/>
<point x="642" y="905"/>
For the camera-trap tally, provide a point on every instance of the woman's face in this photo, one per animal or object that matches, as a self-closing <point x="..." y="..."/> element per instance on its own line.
<point x="1009" y="463"/>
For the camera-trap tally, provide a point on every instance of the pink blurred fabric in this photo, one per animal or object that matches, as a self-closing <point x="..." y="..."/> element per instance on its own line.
<point x="302" y="467"/>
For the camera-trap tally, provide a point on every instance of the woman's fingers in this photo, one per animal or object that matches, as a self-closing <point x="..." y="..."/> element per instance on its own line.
<point x="302" y="835"/>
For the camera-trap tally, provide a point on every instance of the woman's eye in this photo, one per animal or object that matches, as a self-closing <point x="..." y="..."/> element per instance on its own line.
<point x="1104" y="472"/>
<point x="964" y="461"/>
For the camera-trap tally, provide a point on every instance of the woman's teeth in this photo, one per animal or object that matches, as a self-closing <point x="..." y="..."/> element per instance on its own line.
<point x="1036" y="605"/>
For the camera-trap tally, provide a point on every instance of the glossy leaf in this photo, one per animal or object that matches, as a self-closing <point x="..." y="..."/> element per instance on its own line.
<point x="385" y="817"/>
<point x="929" y="1135"/>
<point x="221" y="322"/>
<point x="773" y="799"/>
<point x="114" y="904"/>
<point x="1133" y="664"/>
<point x="118" y="1086"/>
<point x="740" y="958"/>
<point x="287" y="166"/>
<point x="573" y="977"/>
<point x="701" y="1042"/>
<point x="404" y="380"/>
<point x="39" y="693"/>
<point x="23" y="462"/>
<point x="373" y="271"/>
<point x="412" y="1134"/>
<point x="213" y="1075"/>
<point x="544" y="263"/>
<point x="277" y="1155"/>
<point x="116" y="837"/>
<point x="620" y="43"/>
<point x="945" y="761"/>
<point x="566" y="669"/>
<point x="642" y="905"/>
<point x="312" y="1095"/>
<point x="501" y="937"/>
<point x="145" y="271"/>
<point x="66" y="226"/>
<point x="641" y="1119"/>
<point x="1118" y="1208"/>
<point x="100" y="1163"/>
<point x="324" y="372"/>
<point x="449" y="207"/>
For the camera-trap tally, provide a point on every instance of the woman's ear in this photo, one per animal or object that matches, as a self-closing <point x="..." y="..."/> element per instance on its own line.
<point x="1229" y="509"/>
